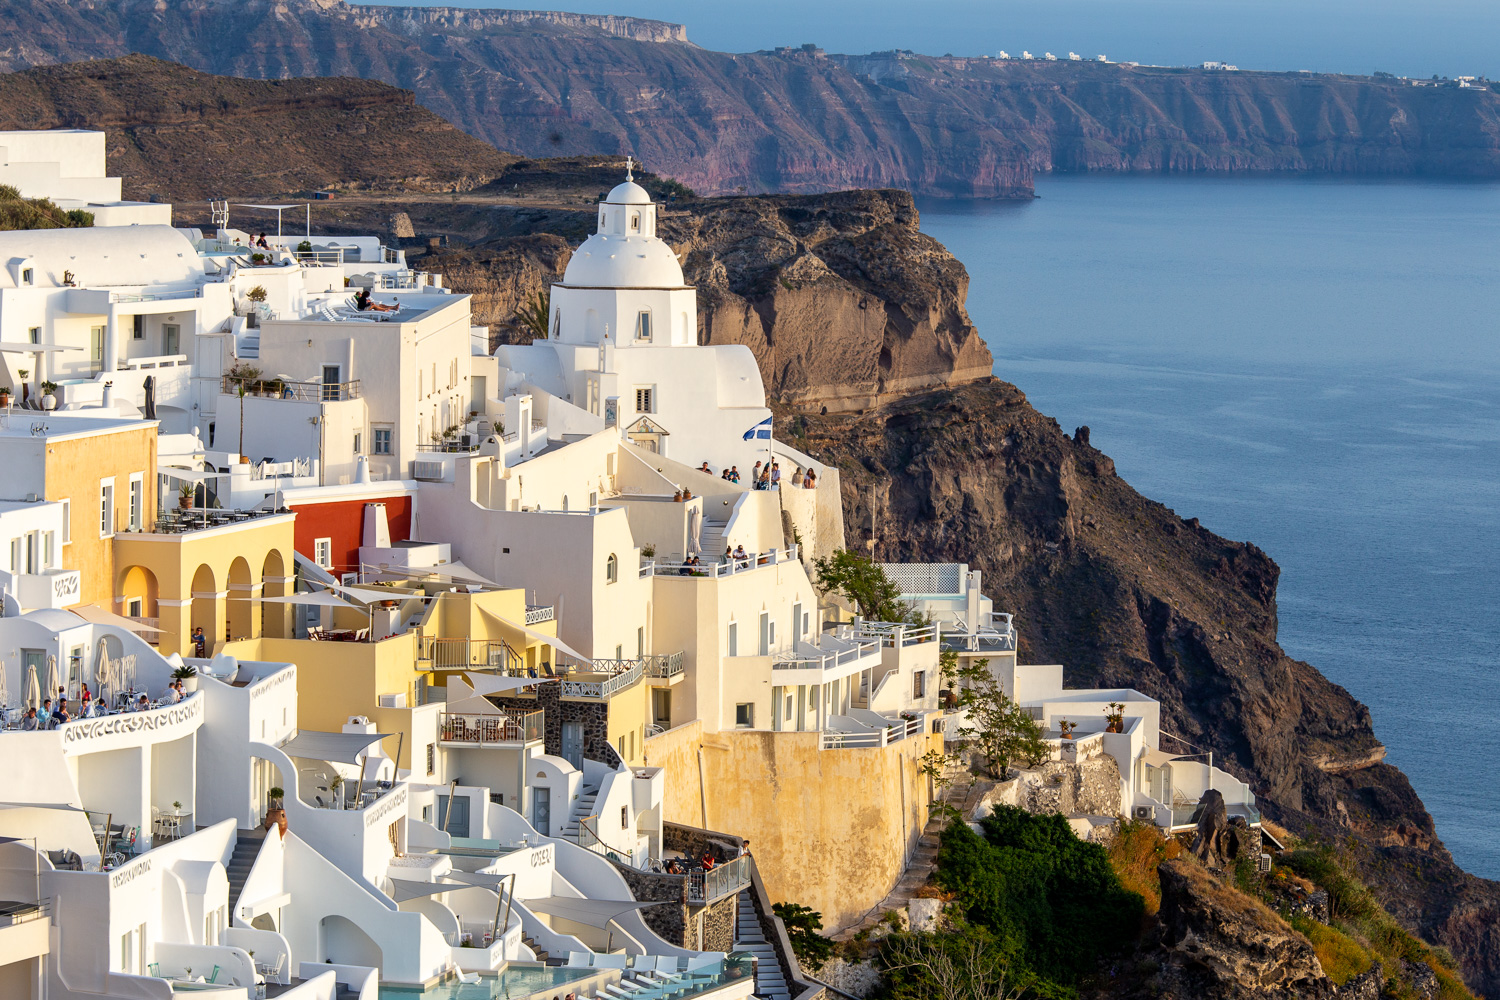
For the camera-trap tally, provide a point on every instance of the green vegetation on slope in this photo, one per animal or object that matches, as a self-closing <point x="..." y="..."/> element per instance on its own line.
<point x="37" y="213"/>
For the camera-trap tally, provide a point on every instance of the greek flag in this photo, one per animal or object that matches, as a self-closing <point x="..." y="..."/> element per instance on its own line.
<point x="761" y="430"/>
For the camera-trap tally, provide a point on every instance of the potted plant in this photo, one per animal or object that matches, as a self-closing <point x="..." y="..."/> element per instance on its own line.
<point x="1066" y="728"/>
<point x="257" y="258"/>
<point x="188" y="674"/>
<point x="336" y="784"/>
<point x="177" y="806"/>
<point x="185" y="496"/>
<point x="305" y="246"/>
<point x="25" y="374"/>
<point x="275" y="814"/>
<point x="257" y="294"/>
<point x="4" y="395"/>
<point x="1114" y="715"/>
<point x="49" y="395"/>
<point x="69" y="279"/>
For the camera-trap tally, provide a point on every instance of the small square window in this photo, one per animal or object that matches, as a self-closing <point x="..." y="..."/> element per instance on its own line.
<point x="644" y="400"/>
<point x="323" y="552"/>
<point x="624" y="817"/>
<point x="643" y="325"/>
<point x="744" y="715"/>
<point x="357" y="442"/>
<point x="382" y="439"/>
<point x="28" y="276"/>
<point x="36" y="334"/>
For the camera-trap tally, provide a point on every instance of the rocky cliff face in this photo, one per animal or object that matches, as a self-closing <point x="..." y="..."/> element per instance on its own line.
<point x="542" y="84"/>
<point x="177" y="134"/>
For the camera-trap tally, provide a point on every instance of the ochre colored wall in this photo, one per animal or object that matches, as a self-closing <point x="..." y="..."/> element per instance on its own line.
<point x="830" y="829"/>
<point x="74" y="468"/>
<point x="342" y="522"/>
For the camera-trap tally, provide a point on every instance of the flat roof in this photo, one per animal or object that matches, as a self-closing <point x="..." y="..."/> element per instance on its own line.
<point x="53" y="425"/>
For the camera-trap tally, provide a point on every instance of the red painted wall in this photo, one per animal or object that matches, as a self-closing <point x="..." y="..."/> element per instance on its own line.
<point x="342" y="521"/>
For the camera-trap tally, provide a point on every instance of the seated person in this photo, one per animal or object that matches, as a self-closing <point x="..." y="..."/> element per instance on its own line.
<point x="62" y="714"/>
<point x="142" y="704"/>
<point x="30" y="723"/>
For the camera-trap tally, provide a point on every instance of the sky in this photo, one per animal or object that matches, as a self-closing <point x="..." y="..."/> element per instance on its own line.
<point x="1406" y="37"/>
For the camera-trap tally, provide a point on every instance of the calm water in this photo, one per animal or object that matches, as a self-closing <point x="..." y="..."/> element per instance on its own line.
<point x="1309" y="365"/>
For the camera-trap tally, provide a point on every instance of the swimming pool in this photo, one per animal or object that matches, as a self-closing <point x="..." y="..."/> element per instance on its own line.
<point x="515" y="982"/>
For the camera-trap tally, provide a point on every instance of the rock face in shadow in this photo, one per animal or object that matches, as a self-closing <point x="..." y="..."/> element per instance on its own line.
<point x="545" y="83"/>
<point x="1216" y="943"/>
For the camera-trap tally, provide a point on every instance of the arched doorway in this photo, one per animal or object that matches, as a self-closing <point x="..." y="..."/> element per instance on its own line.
<point x="342" y="942"/>
<point x="273" y="616"/>
<point x="205" y="612"/>
<point x="241" y="609"/>
<point x="136" y="598"/>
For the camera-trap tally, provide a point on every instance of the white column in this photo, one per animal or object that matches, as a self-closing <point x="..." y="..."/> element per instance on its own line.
<point x="111" y="341"/>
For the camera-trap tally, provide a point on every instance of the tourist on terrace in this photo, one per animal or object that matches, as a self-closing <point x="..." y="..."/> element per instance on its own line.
<point x="755" y="475"/>
<point x="740" y="555"/>
<point x="90" y="709"/>
<point x="47" y="719"/>
<point x="704" y="468"/>
<point x="200" y="644"/>
<point x="797" y="478"/>
<point x="29" y="722"/>
<point x="775" y="475"/>
<point x="811" y="480"/>
<point x="708" y="862"/>
<point x="172" y="696"/>
<point x="62" y="714"/>
<point x="734" y="473"/>
<point x="142" y="704"/>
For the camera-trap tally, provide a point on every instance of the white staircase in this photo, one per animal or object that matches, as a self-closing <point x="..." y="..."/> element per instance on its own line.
<point x="583" y="807"/>
<point x="770" y="984"/>
<point x="711" y="540"/>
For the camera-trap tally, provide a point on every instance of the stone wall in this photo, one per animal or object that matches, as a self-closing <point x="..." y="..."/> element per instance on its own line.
<point x="714" y="924"/>
<point x="1091" y="787"/>
<point x="671" y="920"/>
<point x="695" y="842"/>
<point x="594" y="716"/>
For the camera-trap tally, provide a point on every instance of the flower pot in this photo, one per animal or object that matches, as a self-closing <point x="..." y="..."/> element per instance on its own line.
<point x="4" y="399"/>
<point x="276" y="817"/>
<point x="190" y="684"/>
<point x="184" y="502"/>
<point x="49" y="401"/>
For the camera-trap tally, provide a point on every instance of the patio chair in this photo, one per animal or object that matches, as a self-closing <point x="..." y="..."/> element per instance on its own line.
<point x="580" y="959"/>
<point x="610" y="961"/>
<point x="212" y="977"/>
<point x="154" y="970"/>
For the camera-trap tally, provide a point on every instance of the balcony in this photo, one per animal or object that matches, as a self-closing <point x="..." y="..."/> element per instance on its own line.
<point x="490" y="730"/>
<point x="538" y="613"/>
<point x="835" y="658"/>
<point x="301" y="392"/>
<point x="995" y="636"/>
<point x="24" y="930"/>
<point x="709" y="886"/>
<point x="613" y="676"/>
<point x="461" y="653"/>
<point x="718" y="567"/>
<point x="51" y="588"/>
<point x="664" y="666"/>
<point x="180" y="521"/>
<point x="895" y="731"/>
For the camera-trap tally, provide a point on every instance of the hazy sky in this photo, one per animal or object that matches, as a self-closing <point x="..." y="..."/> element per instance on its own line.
<point x="1407" y="37"/>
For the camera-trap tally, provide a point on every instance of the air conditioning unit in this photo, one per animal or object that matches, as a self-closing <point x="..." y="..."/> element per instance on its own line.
<point x="1265" y="863"/>
<point x="426" y="470"/>
<point x="397" y="700"/>
<point x="1146" y="813"/>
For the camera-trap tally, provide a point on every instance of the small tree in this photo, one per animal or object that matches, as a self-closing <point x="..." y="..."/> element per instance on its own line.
<point x="802" y="926"/>
<point x="532" y="315"/>
<point x="874" y="595"/>
<point x="257" y="294"/>
<point x="999" y="728"/>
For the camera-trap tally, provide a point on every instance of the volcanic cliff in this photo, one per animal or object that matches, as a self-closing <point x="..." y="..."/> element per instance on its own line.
<point x="543" y="83"/>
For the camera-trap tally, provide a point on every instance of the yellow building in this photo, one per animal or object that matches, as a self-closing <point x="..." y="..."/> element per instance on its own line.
<point x="207" y="570"/>
<point x="102" y="468"/>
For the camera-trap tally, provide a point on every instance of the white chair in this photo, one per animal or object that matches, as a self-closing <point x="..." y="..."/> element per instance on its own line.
<point x="610" y="961"/>
<point x="580" y="959"/>
<point x="705" y="961"/>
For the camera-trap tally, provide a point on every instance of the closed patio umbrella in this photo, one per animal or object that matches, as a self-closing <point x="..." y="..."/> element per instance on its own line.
<point x="149" y="410"/>
<point x="54" y="679"/>
<point x="4" y="691"/>
<point x="32" y="697"/>
<point x="104" y="676"/>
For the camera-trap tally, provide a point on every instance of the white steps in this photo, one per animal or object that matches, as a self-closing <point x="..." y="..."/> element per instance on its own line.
<point x="583" y="807"/>
<point x="770" y="984"/>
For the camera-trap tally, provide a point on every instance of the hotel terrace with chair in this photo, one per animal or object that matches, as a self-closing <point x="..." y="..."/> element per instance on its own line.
<point x="393" y="661"/>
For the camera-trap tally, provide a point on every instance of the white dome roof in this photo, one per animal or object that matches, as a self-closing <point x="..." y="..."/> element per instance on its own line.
<point x="628" y="193"/>
<point x="624" y="262"/>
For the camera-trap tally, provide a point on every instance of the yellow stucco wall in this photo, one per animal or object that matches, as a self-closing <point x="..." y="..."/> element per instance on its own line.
<point x="74" y="467"/>
<point x="830" y="829"/>
<point x="243" y="561"/>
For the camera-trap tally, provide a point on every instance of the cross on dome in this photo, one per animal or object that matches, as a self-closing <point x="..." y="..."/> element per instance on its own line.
<point x="630" y="168"/>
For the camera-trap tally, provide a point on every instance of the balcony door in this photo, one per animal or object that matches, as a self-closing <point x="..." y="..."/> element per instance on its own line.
<point x="541" y="810"/>
<point x="96" y="349"/>
<point x="572" y="743"/>
<point x="171" y="338"/>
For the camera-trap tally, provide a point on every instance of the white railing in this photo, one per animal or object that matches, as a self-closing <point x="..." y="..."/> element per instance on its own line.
<point x="718" y="566"/>
<point x="997" y="636"/>
<point x="538" y="613"/>
<point x="827" y="661"/>
<point x="891" y="633"/>
<point x="898" y="730"/>
<point x="185" y="293"/>
<point x="159" y="361"/>
<point x="605" y="687"/>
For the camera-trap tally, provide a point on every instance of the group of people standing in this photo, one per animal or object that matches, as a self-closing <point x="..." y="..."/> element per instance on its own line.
<point x="767" y="476"/>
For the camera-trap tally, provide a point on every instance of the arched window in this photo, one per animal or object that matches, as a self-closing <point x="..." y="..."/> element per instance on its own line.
<point x="643" y="325"/>
<point x="611" y="569"/>
<point x="557" y="324"/>
<point x="635" y="222"/>
<point x="601" y="220"/>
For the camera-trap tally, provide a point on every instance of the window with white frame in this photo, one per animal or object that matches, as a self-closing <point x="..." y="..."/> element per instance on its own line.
<point x="645" y="399"/>
<point x="137" y="500"/>
<point x="732" y="640"/>
<point x="919" y="684"/>
<point x="382" y="440"/>
<point x="28" y="276"/>
<point x="323" y="552"/>
<point x="67" y="521"/>
<point x="611" y="568"/>
<point x="358" y="441"/>
<point x="106" y="507"/>
<point x="643" y="325"/>
<point x="35" y="334"/>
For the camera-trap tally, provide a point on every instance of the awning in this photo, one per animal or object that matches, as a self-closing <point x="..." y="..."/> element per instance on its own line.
<point x="1159" y="758"/>
<point x="453" y="572"/>
<point x="484" y="880"/>
<point x="550" y="640"/>
<point x="368" y="595"/>
<point x="321" y="598"/>
<point x="484" y="684"/>
<point x="270" y="208"/>
<point x="342" y="748"/>
<point x="593" y="912"/>
<point x="404" y="889"/>
<point x="97" y="615"/>
<point x="27" y="347"/>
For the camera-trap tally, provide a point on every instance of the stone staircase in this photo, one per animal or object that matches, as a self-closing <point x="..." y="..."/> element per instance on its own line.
<point x="711" y="540"/>
<point x="770" y="983"/>
<point x="583" y="807"/>
<point x="964" y="796"/>
<point x="246" y="847"/>
<point x="530" y="942"/>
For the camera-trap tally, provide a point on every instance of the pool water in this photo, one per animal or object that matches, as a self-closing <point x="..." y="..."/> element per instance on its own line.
<point x="515" y="982"/>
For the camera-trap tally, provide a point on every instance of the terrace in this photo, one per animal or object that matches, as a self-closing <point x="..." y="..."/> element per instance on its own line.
<point x="280" y="388"/>
<point x="720" y="567"/>
<point x="832" y="659"/>
<point x="456" y="730"/>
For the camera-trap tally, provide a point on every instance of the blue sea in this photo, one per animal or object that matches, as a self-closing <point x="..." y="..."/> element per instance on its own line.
<point x="1310" y="365"/>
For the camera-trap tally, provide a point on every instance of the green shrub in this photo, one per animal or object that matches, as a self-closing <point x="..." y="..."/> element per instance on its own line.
<point x="1048" y="899"/>
<point x="802" y="926"/>
<point x="1341" y="956"/>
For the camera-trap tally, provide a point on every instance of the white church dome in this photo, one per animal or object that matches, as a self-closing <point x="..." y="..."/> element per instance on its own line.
<point x="628" y="193"/>
<point x="606" y="261"/>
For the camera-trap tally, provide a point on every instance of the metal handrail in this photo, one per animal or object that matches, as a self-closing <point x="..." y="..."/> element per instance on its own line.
<point x="305" y="392"/>
<point x="448" y="653"/>
<point x="460" y="728"/>
<point x="731" y="876"/>
<point x="594" y="843"/>
<point x="895" y="733"/>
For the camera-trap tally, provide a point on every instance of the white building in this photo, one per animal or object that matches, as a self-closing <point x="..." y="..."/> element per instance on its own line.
<point x="67" y="166"/>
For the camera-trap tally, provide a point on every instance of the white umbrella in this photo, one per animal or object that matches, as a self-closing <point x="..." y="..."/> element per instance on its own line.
<point x="104" y="675"/>
<point x="695" y="532"/>
<point x="4" y="690"/>
<point x="33" y="696"/>
<point x="54" y="680"/>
